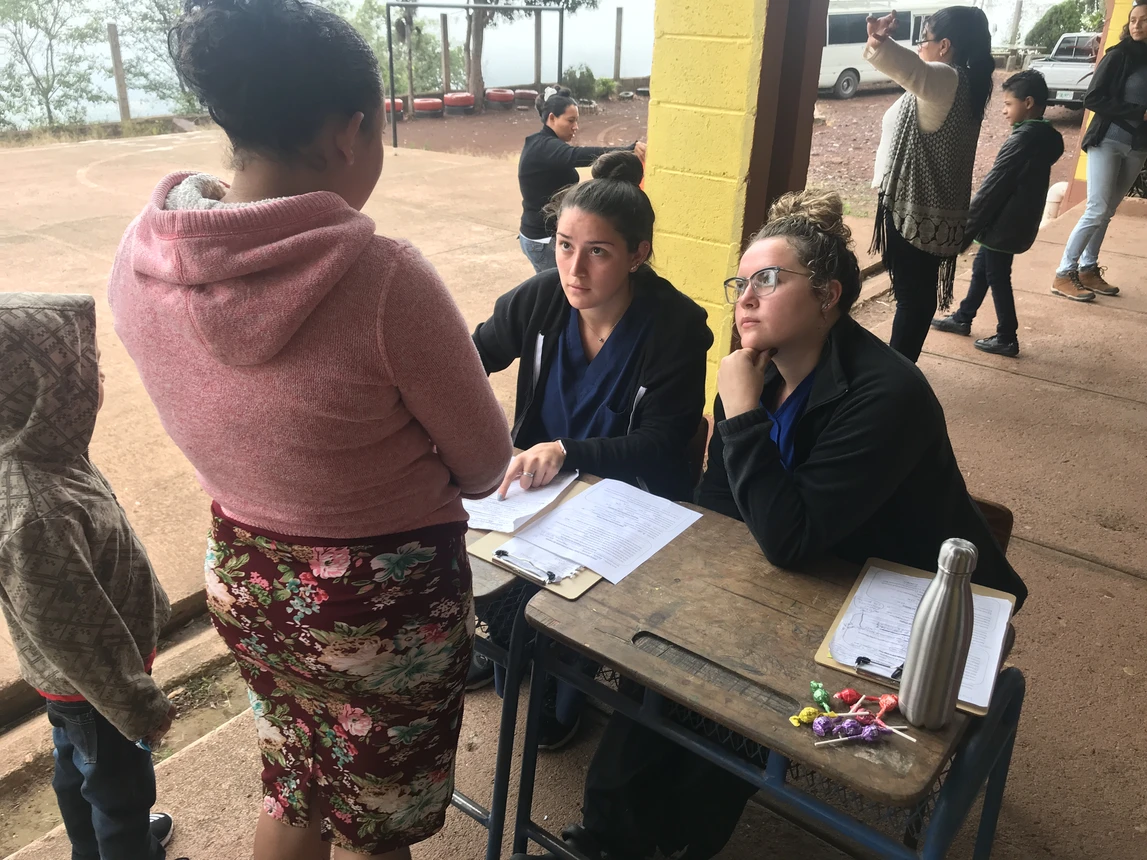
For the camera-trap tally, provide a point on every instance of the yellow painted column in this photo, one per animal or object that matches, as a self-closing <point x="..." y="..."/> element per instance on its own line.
<point x="705" y="79"/>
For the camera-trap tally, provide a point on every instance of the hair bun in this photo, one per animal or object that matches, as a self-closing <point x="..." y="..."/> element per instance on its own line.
<point x="823" y="211"/>
<point x="619" y="166"/>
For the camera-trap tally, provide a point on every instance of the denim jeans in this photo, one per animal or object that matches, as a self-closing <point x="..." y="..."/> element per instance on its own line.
<point x="1111" y="171"/>
<point x="991" y="269"/>
<point x="105" y="786"/>
<point x="542" y="255"/>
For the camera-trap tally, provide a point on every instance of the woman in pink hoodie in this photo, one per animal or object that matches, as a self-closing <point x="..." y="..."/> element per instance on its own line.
<point x="323" y="384"/>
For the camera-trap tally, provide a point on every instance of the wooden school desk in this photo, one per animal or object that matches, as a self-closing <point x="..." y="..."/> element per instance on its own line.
<point x="723" y="643"/>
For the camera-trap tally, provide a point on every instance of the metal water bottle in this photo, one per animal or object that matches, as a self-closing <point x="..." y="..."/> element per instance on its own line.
<point x="941" y="636"/>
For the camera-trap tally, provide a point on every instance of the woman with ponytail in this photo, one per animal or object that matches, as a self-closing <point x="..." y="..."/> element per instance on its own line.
<point x="925" y="159"/>
<point x="611" y="377"/>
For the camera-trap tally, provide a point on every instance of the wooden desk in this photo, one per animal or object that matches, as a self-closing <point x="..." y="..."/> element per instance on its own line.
<point x="709" y="623"/>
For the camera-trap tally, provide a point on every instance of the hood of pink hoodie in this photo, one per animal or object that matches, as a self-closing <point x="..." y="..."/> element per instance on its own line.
<point x="249" y="276"/>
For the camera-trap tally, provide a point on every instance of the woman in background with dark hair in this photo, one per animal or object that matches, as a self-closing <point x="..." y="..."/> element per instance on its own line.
<point x="323" y="384"/>
<point x="1116" y="147"/>
<point x="547" y="165"/>
<point x="611" y="370"/>
<point x="925" y="159"/>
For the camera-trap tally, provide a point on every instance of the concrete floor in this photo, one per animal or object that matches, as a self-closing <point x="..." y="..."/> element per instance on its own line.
<point x="1058" y="435"/>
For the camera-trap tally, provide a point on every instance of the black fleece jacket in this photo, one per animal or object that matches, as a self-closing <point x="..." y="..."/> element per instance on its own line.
<point x="1105" y="95"/>
<point x="663" y="403"/>
<point x="874" y="475"/>
<point x="1007" y="210"/>
<point x="547" y="165"/>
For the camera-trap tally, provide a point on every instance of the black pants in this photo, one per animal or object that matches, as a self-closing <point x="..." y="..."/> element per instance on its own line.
<point x="645" y="794"/>
<point x="992" y="269"/>
<point x="915" y="274"/>
<point x="105" y="786"/>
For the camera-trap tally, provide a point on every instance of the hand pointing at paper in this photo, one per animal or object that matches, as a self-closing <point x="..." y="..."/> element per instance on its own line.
<point x="535" y="467"/>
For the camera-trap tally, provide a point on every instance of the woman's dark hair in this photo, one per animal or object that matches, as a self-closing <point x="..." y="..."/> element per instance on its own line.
<point x="540" y="101"/>
<point x="614" y="193"/>
<point x="966" y="28"/>
<point x="1125" y="36"/>
<point x="272" y="72"/>
<point x="556" y="105"/>
<point x="813" y="224"/>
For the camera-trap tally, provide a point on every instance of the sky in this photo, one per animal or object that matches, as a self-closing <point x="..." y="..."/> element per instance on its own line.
<point x="508" y="56"/>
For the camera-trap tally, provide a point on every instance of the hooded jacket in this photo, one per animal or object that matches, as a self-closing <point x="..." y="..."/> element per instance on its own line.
<point x="1007" y="210"/>
<point x="82" y="604"/>
<point x="1105" y="96"/>
<point x="319" y="378"/>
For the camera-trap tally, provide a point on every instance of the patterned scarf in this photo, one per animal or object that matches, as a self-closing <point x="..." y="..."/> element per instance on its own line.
<point x="927" y="185"/>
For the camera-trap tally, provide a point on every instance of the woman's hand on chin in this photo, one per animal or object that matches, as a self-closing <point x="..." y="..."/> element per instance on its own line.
<point x="741" y="380"/>
<point x="534" y="468"/>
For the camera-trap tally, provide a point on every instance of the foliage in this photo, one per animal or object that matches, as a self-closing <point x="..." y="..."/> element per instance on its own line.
<point x="605" y="89"/>
<point x="143" y="27"/>
<point x="370" y="20"/>
<point x="1070" y="16"/>
<point x="50" y="47"/>
<point x="580" y="80"/>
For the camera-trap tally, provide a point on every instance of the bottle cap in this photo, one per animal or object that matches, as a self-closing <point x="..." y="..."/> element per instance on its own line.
<point x="958" y="556"/>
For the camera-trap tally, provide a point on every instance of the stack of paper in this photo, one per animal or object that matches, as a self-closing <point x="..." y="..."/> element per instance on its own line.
<point x="612" y="529"/>
<point x="878" y="623"/>
<point x="518" y="508"/>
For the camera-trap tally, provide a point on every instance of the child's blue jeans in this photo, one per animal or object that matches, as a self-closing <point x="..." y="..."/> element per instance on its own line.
<point x="105" y="786"/>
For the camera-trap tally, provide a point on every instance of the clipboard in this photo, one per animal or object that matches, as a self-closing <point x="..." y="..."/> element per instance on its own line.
<point x="571" y="587"/>
<point x="824" y="655"/>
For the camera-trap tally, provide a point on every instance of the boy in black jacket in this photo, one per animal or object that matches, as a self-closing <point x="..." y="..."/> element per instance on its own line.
<point x="1006" y="212"/>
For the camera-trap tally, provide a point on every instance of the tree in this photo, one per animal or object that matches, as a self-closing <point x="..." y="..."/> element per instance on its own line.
<point x="1070" y="16"/>
<point x="477" y="20"/>
<point x="52" y="47"/>
<point x="148" y="66"/>
<point x="370" y="21"/>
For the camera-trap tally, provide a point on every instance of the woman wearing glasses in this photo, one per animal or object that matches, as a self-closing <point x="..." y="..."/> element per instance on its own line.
<point x="925" y="159"/>
<point x="611" y="361"/>
<point x="826" y="443"/>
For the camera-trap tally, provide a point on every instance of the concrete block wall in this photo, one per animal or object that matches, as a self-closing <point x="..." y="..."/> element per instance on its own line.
<point x="706" y="71"/>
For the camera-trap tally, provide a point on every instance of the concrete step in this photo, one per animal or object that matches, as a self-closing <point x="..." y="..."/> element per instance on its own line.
<point x="26" y="747"/>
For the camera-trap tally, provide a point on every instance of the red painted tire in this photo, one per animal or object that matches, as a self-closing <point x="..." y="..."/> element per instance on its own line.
<point x="500" y="96"/>
<point x="428" y="105"/>
<point x="389" y="106"/>
<point x="458" y="99"/>
<point x="526" y="95"/>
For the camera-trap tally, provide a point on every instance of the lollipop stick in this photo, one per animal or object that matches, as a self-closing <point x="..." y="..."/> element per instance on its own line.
<point x="836" y="741"/>
<point x="896" y="731"/>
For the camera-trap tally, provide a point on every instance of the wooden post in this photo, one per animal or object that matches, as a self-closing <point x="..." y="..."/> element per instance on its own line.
<point x="120" y="79"/>
<point x="1015" y="40"/>
<point x="617" y="48"/>
<point x="445" y="56"/>
<point x="409" y="14"/>
<point x="537" y="48"/>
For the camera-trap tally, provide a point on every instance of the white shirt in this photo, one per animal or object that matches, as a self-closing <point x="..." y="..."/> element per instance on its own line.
<point x="933" y="84"/>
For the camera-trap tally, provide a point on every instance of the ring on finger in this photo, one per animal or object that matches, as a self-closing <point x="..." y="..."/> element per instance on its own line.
<point x="527" y="474"/>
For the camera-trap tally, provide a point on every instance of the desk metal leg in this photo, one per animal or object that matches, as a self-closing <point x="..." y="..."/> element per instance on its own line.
<point x="530" y="747"/>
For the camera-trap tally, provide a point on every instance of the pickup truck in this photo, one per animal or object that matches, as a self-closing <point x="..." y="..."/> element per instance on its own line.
<point x="1069" y="67"/>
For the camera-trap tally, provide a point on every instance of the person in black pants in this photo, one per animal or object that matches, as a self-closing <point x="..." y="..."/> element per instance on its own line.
<point x="826" y="442"/>
<point x="1006" y="212"/>
<point x="547" y="165"/>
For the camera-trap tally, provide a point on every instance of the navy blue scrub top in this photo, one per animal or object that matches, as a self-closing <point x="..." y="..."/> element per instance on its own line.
<point x="580" y="394"/>
<point x="785" y="420"/>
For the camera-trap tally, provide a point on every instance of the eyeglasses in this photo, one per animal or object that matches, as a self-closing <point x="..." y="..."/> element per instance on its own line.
<point x="763" y="282"/>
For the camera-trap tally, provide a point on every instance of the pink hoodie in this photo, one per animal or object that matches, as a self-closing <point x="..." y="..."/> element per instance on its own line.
<point x="319" y="378"/>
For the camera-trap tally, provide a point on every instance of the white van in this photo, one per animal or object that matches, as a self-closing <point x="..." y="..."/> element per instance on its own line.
<point x="842" y="65"/>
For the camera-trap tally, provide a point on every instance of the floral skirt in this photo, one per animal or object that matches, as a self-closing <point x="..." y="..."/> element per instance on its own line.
<point x="355" y="654"/>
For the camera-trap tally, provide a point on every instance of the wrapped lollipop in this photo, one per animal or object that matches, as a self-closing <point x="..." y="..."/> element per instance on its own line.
<point x="823" y="725"/>
<point x="806" y="716"/>
<point x="868" y="735"/>
<point x="847" y="728"/>
<point x="820" y="696"/>
<point x="847" y="697"/>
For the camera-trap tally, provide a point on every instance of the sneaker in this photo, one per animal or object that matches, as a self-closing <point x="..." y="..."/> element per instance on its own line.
<point x="997" y="346"/>
<point x="1068" y="285"/>
<point x="1092" y="279"/>
<point x="162" y="826"/>
<point x="554" y="733"/>
<point x="952" y="325"/>
<point x="481" y="672"/>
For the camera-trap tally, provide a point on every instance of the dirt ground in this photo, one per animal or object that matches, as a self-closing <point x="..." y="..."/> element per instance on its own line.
<point x="843" y="147"/>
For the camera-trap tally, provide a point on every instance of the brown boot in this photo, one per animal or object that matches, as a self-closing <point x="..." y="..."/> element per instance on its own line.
<point x="1069" y="287"/>
<point x="1092" y="279"/>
